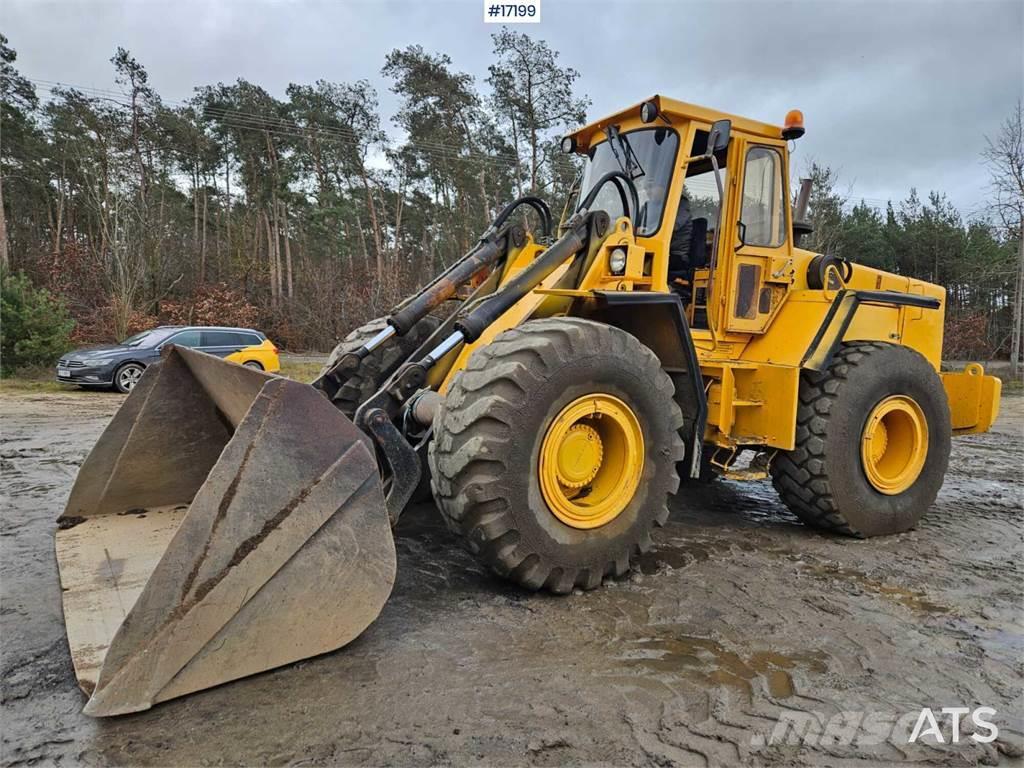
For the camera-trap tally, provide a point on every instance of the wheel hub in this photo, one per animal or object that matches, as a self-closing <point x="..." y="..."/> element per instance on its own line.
<point x="591" y="461"/>
<point x="579" y="456"/>
<point x="894" y="444"/>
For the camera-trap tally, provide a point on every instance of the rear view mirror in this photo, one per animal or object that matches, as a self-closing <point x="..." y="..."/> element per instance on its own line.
<point x="718" y="139"/>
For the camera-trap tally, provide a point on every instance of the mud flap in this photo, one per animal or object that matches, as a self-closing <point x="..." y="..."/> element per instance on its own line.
<point x="227" y="522"/>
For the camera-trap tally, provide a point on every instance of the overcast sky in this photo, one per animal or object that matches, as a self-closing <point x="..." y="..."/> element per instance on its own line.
<point x="895" y="94"/>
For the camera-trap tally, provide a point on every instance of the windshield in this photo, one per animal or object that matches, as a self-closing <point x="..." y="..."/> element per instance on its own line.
<point x="148" y="338"/>
<point x="654" y="150"/>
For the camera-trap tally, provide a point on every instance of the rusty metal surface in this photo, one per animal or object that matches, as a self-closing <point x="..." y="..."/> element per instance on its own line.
<point x="480" y="259"/>
<point x="284" y="552"/>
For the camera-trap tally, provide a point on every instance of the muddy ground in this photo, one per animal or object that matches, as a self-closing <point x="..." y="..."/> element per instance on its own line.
<point x="739" y="616"/>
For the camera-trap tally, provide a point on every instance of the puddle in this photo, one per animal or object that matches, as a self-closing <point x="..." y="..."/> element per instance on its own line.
<point x="681" y="553"/>
<point x="707" y="662"/>
<point x="912" y="599"/>
<point x="657" y="560"/>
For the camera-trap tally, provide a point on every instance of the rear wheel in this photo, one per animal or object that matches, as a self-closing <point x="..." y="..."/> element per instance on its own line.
<point x="379" y="364"/>
<point x="253" y="364"/>
<point x="127" y="376"/>
<point x="872" y="443"/>
<point x="555" y="452"/>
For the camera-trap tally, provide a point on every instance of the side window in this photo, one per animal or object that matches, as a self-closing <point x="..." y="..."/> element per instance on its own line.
<point x="247" y="339"/>
<point x="699" y="187"/>
<point x="702" y="192"/>
<point x="221" y="339"/>
<point x="185" y="339"/>
<point x="763" y="212"/>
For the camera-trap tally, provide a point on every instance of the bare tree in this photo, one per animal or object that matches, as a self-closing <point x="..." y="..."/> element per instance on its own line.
<point x="534" y="93"/>
<point x="1004" y="156"/>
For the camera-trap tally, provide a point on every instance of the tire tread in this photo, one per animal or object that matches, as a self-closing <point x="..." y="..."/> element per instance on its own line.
<point x="479" y="416"/>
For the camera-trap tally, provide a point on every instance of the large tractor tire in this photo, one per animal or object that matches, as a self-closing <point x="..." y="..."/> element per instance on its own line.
<point x="379" y="364"/>
<point x="555" y="452"/>
<point x="872" y="442"/>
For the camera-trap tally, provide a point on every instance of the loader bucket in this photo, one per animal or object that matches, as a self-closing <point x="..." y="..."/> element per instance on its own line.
<point x="227" y="522"/>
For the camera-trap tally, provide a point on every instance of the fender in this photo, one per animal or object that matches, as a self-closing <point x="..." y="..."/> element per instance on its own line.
<point x="658" y="320"/>
<point x="840" y="314"/>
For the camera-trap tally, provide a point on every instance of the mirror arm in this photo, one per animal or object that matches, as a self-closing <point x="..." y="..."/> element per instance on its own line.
<point x="713" y="264"/>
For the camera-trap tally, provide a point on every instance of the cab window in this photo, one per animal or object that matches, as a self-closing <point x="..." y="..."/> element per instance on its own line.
<point x="763" y="211"/>
<point x="651" y="156"/>
<point x="702" y="192"/>
<point x="700" y="187"/>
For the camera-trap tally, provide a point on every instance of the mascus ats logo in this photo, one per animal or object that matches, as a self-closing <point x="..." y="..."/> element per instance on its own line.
<point x="946" y="725"/>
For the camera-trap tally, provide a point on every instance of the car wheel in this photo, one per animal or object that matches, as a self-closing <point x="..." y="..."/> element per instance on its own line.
<point x="253" y="364"/>
<point x="127" y="376"/>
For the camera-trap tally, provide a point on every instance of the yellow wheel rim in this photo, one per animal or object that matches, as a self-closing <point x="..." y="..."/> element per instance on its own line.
<point x="591" y="461"/>
<point x="894" y="445"/>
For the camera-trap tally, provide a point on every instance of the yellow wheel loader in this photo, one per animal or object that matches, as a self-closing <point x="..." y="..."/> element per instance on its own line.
<point x="229" y="521"/>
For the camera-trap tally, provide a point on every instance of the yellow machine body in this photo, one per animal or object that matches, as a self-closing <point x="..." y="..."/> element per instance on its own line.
<point x="762" y="314"/>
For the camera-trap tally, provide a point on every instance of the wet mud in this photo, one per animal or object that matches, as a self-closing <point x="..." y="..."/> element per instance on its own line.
<point x="738" y="617"/>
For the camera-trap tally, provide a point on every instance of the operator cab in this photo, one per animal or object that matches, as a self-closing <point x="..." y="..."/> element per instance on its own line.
<point x="722" y="230"/>
<point x="647" y="156"/>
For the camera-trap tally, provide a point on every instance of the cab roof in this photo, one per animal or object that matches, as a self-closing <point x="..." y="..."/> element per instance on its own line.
<point x="681" y="110"/>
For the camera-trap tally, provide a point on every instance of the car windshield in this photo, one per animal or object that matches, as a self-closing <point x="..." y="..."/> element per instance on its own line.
<point x="655" y="151"/>
<point x="148" y="338"/>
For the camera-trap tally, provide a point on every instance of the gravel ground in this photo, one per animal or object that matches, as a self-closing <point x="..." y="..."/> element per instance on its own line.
<point x="738" y="617"/>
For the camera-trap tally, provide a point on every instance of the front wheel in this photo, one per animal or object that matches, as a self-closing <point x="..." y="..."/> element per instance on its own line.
<point x="127" y="376"/>
<point x="872" y="442"/>
<point x="555" y="451"/>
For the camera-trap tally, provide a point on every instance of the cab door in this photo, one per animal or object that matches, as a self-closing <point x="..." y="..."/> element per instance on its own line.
<point x="759" y="274"/>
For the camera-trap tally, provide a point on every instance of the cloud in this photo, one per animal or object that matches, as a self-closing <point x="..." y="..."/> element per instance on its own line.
<point x="896" y="94"/>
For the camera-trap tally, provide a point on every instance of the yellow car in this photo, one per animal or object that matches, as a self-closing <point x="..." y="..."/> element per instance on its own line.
<point x="263" y="356"/>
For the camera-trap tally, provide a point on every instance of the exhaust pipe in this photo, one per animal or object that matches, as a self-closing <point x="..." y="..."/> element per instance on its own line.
<point x="801" y="226"/>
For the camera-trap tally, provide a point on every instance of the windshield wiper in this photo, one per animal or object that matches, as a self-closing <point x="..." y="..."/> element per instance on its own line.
<point x="631" y="167"/>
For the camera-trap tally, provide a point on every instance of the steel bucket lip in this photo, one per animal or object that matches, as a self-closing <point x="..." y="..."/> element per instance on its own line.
<point x="286" y="496"/>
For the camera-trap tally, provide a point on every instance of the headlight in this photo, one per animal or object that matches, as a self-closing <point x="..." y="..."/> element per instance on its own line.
<point x="648" y="111"/>
<point x="617" y="261"/>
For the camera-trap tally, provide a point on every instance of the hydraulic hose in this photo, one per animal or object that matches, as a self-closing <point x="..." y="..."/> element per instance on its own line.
<point x="485" y="255"/>
<point x="622" y="182"/>
<point x="487" y="252"/>
<point x="494" y="306"/>
<point x="534" y="202"/>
